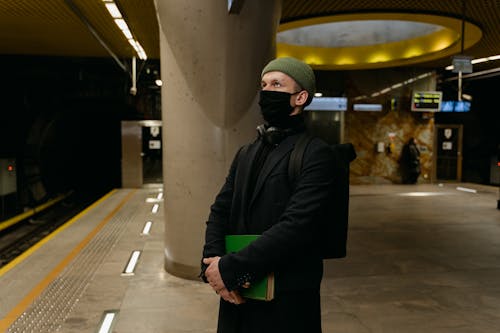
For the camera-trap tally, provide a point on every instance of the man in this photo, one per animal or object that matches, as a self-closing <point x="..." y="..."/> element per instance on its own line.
<point x="410" y="162"/>
<point x="258" y="198"/>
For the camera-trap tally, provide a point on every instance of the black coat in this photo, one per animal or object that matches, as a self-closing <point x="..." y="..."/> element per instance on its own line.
<point x="286" y="216"/>
<point x="410" y="163"/>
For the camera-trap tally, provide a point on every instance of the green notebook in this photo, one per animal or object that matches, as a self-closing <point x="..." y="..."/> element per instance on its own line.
<point x="260" y="290"/>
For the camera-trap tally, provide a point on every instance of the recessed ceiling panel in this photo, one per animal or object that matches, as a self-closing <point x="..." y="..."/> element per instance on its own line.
<point x="374" y="40"/>
<point x="356" y="33"/>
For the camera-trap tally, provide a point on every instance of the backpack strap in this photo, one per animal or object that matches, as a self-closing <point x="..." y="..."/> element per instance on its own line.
<point x="296" y="157"/>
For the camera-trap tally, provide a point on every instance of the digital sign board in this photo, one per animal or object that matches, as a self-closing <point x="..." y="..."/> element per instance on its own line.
<point x="426" y="101"/>
<point x="455" y="106"/>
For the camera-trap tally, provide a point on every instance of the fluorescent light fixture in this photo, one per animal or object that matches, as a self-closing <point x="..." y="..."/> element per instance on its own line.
<point x="138" y="48"/>
<point x="496" y="57"/>
<point x="127" y="34"/>
<point x="160" y="196"/>
<point x="360" y="97"/>
<point x="155" y="208"/>
<point x="467" y="97"/>
<point x="121" y="24"/>
<point x="107" y="321"/>
<point x="465" y="189"/>
<point x="394" y="86"/>
<point x="449" y="68"/>
<point x="134" y="257"/>
<point x="479" y="60"/>
<point x="147" y="228"/>
<point x="158" y="82"/>
<point x="318" y="94"/>
<point x="113" y="10"/>
<point x="134" y="44"/>
<point x="140" y="51"/>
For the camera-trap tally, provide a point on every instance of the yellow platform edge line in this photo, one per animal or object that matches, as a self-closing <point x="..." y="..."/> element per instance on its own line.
<point x="44" y="240"/>
<point x="38" y="289"/>
<point x="7" y="223"/>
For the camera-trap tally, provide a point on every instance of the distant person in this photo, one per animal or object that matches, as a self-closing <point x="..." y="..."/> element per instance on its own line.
<point x="410" y="162"/>
<point x="257" y="198"/>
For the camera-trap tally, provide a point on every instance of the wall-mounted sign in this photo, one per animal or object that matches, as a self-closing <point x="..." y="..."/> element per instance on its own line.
<point x="462" y="64"/>
<point x="154" y="130"/>
<point x="327" y="104"/>
<point x="447" y="145"/>
<point x="154" y="144"/>
<point x="427" y="101"/>
<point x="367" y="107"/>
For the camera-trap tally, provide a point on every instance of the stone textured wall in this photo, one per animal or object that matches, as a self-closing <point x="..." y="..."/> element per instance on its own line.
<point x="365" y="129"/>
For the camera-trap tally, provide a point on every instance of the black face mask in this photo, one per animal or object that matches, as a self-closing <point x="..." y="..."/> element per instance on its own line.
<point x="275" y="108"/>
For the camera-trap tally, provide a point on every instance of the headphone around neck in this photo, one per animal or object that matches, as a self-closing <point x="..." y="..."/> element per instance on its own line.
<point x="272" y="135"/>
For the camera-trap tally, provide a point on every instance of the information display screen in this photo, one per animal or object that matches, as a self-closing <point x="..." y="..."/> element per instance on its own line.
<point x="327" y="104"/>
<point x="426" y="101"/>
<point x="367" y="107"/>
<point x="455" y="106"/>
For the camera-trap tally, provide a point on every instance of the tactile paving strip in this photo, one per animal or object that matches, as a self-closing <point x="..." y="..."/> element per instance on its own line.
<point x="49" y="310"/>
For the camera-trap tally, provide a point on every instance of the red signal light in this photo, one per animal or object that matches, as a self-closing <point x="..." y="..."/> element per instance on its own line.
<point x="10" y="168"/>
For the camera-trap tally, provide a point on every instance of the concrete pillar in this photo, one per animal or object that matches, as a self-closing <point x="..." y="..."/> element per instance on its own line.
<point x="210" y="66"/>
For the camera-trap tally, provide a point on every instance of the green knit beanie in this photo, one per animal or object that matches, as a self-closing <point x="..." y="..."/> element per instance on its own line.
<point x="301" y="72"/>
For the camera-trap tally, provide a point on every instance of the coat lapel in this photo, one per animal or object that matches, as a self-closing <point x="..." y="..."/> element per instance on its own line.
<point x="243" y="175"/>
<point x="272" y="160"/>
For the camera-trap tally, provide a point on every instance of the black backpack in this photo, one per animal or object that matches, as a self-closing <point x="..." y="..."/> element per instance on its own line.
<point x="336" y="216"/>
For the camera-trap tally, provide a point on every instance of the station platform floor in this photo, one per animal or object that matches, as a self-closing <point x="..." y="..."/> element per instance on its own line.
<point x="421" y="258"/>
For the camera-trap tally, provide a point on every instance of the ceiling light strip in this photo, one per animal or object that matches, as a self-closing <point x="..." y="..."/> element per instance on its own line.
<point x="396" y="86"/>
<point x="123" y="26"/>
<point x="94" y="32"/>
<point x="487" y="72"/>
<point x="113" y="10"/>
<point x="478" y="61"/>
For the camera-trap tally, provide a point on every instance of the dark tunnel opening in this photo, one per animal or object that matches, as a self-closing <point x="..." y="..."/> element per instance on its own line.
<point x="60" y="120"/>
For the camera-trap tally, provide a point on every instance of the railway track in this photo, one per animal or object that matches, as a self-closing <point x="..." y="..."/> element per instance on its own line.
<point x="15" y="240"/>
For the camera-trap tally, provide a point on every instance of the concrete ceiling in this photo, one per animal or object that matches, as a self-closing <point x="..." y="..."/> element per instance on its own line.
<point x="62" y="27"/>
<point x="53" y="28"/>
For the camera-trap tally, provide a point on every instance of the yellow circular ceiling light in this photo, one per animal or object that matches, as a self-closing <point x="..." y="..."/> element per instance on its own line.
<point x="373" y="40"/>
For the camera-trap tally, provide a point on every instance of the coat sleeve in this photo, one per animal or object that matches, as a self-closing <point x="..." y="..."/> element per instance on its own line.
<point x="297" y="228"/>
